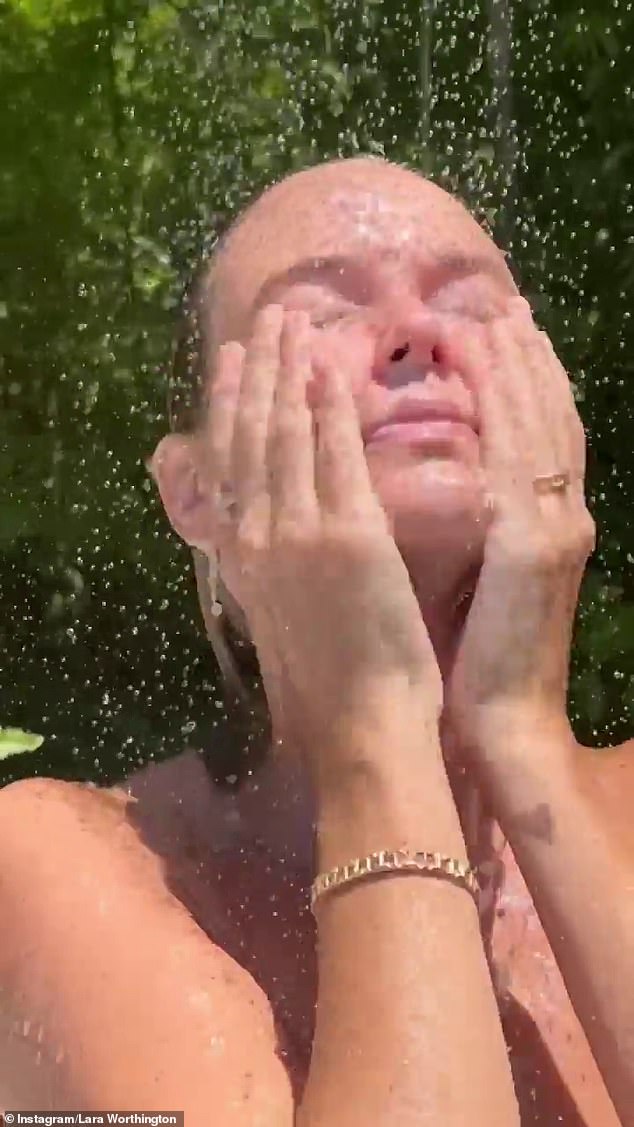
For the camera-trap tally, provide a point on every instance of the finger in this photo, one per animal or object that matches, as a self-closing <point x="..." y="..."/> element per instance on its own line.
<point x="485" y="369"/>
<point x="567" y="440"/>
<point x="259" y="378"/>
<point x="225" y="391"/>
<point x="571" y="432"/>
<point x="520" y="427"/>
<point x="549" y="422"/>
<point x="341" y="471"/>
<point x="291" y="449"/>
<point x="516" y="371"/>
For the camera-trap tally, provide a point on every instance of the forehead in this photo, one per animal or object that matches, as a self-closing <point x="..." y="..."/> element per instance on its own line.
<point x="365" y="210"/>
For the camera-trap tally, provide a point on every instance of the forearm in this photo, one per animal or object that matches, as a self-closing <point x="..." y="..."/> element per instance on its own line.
<point x="577" y="865"/>
<point x="407" y="1025"/>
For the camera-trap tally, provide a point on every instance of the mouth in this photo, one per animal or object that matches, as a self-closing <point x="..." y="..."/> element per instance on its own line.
<point x="423" y="422"/>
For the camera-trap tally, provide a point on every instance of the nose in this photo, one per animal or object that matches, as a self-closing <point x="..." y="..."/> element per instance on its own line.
<point x="410" y="338"/>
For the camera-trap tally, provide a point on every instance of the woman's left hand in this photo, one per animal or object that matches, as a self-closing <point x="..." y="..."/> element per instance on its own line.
<point x="511" y="669"/>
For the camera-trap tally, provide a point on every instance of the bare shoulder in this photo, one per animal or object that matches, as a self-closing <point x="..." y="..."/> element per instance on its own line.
<point x="610" y="761"/>
<point x="618" y="757"/>
<point x="110" y="994"/>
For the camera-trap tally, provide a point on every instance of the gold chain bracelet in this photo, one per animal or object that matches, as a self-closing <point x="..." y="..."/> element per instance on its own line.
<point x="390" y="861"/>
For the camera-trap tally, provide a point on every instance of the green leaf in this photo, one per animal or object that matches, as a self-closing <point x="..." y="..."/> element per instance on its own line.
<point x="13" y="741"/>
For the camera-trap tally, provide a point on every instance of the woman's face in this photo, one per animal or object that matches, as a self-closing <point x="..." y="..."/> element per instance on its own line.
<point x="370" y="251"/>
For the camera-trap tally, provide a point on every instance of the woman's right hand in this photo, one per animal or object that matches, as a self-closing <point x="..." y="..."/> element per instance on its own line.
<point x="306" y="550"/>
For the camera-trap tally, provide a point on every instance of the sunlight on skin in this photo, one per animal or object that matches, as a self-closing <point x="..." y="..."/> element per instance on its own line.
<point x="405" y="235"/>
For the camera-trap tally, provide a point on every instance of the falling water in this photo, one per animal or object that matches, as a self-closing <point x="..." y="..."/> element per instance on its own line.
<point x="134" y="140"/>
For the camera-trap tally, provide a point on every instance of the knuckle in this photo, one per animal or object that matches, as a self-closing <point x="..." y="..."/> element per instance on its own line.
<point x="337" y="530"/>
<point x="288" y="412"/>
<point x="289" y="422"/>
<point x="249" y="542"/>
<point x="219" y="446"/>
<point x="579" y="436"/>
<point x="252" y="532"/>
<point x="547" y="550"/>
<point x="534" y="548"/>
<point x="250" y="417"/>
<point x="295" y="528"/>
<point x="587" y="531"/>
<point x="563" y="543"/>
<point x="222" y="396"/>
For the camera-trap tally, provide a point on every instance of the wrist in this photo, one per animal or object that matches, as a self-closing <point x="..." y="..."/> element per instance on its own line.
<point x="367" y="757"/>
<point x="392" y="794"/>
<point x="501" y="732"/>
<point x="527" y="763"/>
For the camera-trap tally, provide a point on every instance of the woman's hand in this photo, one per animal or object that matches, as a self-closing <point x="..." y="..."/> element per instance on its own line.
<point x="512" y="663"/>
<point x="305" y="548"/>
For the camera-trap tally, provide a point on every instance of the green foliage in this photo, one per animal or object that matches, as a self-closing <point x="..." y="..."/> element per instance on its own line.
<point x="13" y="741"/>
<point x="133" y="131"/>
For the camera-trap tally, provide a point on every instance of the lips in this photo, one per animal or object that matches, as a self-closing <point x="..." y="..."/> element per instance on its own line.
<point x="421" y="411"/>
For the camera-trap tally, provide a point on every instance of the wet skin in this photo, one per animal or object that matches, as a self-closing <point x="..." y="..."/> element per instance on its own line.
<point x="118" y="933"/>
<point x="272" y="935"/>
<point x="368" y="258"/>
<point x="368" y="253"/>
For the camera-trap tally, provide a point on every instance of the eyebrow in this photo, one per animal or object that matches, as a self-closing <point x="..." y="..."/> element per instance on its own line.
<point x="459" y="263"/>
<point x="346" y="271"/>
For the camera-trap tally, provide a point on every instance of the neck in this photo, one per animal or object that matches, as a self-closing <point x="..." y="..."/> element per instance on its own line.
<point x="444" y="597"/>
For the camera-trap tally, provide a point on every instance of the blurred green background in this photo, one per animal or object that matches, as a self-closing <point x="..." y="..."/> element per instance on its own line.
<point x="132" y="132"/>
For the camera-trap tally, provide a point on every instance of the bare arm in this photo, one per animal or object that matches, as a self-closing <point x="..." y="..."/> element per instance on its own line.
<point x="110" y="995"/>
<point x="407" y="1026"/>
<point x="507" y="690"/>
<point x="567" y="812"/>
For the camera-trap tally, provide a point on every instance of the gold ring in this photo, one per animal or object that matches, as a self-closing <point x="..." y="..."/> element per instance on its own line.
<point x="552" y="483"/>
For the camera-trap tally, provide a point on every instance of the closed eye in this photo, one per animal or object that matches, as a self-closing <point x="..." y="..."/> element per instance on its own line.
<point x="469" y="298"/>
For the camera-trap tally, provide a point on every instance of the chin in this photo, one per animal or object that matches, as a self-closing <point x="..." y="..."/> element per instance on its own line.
<point x="435" y="507"/>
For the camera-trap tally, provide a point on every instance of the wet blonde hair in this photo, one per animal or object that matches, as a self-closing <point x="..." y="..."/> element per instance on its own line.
<point x="190" y="376"/>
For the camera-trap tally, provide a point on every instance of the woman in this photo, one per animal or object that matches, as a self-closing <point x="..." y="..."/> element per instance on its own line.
<point x="384" y="455"/>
